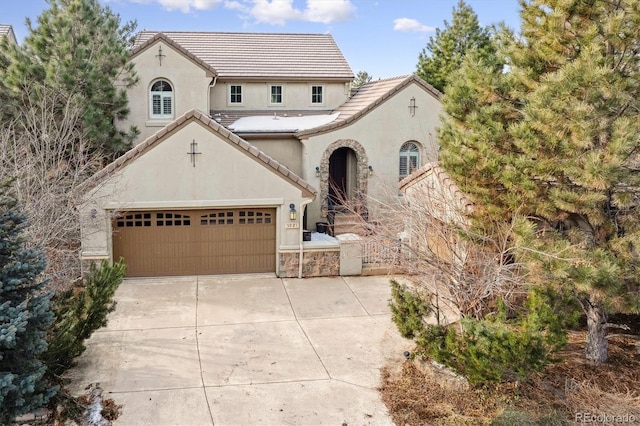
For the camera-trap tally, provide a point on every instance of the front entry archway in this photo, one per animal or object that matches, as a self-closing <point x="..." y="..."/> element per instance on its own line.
<point x="344" y="173"/>
<point x="342" y="176"/>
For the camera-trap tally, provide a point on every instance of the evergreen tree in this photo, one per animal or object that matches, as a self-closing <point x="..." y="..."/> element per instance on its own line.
<point x="25" y="316"/>
<point x="80" y="49"/>
<point x="555" y="139"/>
<point x="362" y="77"/>
<point x="445" y="51"/>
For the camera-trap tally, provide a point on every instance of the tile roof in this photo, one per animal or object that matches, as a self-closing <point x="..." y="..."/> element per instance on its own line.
<point x="6" y="30"/>
<point x="263" y="55"/>
<point x="368" y="97"/>
<point x="205" y="120"/>
<point x="161" y="36"/>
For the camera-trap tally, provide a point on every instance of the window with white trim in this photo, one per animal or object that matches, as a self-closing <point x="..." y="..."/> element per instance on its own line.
<point x="317" y="94"/>
<point x="235" y="94"/>
<point x="409" y="159"/>
<point x="161" y="100"/>
<point x="276" y="94"/>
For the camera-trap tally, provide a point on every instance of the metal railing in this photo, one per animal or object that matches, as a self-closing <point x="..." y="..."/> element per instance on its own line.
<point x="380" y="253"/>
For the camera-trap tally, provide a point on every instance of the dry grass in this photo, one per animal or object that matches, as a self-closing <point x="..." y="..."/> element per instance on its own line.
<point x="552" y="397"/>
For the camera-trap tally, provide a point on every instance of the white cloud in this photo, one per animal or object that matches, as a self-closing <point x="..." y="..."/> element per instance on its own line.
<point x="278" y="12"/>
<point x="275" y="12"/>
<point x="327" y="11"/>
<point x="184" y="6"/>
<point x="235" y="5"/>
<point x="408" y="24"/>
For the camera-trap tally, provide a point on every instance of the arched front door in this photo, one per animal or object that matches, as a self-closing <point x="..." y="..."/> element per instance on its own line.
<point x="344" y="173"/>
<point x="342" y="176"/>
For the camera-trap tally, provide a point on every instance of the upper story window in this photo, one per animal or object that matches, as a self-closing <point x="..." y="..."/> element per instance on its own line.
<point x="161" y="99"/>
<point x="409" y="159"/>
<point x="317" y="94"/>
<point x="276" y="94"/>
<point x="235" y="94"/>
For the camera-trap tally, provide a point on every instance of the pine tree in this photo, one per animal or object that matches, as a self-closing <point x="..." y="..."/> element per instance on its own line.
<point x="555" y="139"/>
<point x="80" y="49"/>
<point x="25" y="316"/>
<point x="362" y="77"/>
<point x="445" y="51"/>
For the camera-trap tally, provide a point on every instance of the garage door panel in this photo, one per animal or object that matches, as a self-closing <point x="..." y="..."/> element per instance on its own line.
<point x="196" y="242"/>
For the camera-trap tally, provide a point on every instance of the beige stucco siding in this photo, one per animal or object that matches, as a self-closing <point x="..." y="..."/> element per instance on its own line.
<point x="381" y="133"/>
<point x="286" y="151"/>
<point x="189" y="80"/>
<point x="164" y="177"/>
<point x="296" y="96"/>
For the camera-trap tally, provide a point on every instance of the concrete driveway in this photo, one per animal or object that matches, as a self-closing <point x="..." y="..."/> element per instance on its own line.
<point x="245" y="350"/>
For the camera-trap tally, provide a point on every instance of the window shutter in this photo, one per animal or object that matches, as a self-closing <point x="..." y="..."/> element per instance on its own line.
<point x="403" y="166"/>
<point x="166" y="105"/>
<point x="157" y="109"/>
<point x="414" y="162"/>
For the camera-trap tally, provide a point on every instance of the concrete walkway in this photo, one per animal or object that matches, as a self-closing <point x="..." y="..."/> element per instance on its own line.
<point x="245" y="350"/>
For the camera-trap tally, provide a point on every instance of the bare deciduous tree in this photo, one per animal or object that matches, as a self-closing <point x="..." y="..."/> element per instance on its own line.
<point x="466" y="273"/>
<point x="47" y="159"/>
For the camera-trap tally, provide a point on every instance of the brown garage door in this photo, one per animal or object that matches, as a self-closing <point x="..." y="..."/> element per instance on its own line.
<point x="196" y="242"/>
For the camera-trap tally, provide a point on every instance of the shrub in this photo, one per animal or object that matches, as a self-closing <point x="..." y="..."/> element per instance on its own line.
<point x="79" y="312"/>
<point x="408" y="309"/>
<point x="492" y="349"/>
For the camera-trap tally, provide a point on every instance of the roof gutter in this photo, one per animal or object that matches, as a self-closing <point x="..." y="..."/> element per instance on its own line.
<point x="211" y="85"/>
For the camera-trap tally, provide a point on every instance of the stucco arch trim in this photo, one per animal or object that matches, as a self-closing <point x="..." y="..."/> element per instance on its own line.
<point x="362" y="171"/>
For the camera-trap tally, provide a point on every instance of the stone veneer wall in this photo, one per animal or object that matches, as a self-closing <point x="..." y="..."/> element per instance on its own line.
<point x="319" y="263"/>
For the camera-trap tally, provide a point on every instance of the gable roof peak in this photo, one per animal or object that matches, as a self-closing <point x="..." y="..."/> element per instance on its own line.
<point x="202" y="118"/>
<point x="141" y="47"/>
<point x="369" y="96"/>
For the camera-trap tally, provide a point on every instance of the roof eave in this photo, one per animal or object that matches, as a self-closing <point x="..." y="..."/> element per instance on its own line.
<point x="315" y="79"/>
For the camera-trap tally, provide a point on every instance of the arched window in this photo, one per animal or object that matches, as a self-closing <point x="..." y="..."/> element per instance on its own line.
<point x="409" y="159"/>
<point x="161" y="99"/>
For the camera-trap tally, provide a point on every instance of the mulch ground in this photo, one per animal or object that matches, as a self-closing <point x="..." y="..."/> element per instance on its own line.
<point x="560" y="394"/>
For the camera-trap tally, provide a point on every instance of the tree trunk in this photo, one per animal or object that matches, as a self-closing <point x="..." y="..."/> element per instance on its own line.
<point x="596" y="349"/>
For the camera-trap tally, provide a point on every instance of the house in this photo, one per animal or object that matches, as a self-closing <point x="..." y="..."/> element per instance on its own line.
<point x="239" y="126"/>
<point x="7" y="31"/>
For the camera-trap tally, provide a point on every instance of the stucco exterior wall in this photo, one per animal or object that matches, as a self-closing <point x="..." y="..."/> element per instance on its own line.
<point x="381" y="133"/>
<point x="435" y="190"/>
<point x="190" y="87"/>
<point x="296" y="96"/>
<point x="286" y="151"/>
<point x="164" y="177"/>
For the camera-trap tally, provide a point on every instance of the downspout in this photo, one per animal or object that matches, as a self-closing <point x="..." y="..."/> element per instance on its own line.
<point x="211" y="84"/>
<point x="303" y="205"/>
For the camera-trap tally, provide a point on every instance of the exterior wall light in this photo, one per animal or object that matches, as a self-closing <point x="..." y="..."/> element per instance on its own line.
<point x="293" y="214"/>
<point x="370" y="170"/>
<point x="317" y="171"/>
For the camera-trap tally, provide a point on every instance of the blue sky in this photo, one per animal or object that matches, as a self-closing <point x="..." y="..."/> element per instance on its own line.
<point x="382" y="37"/>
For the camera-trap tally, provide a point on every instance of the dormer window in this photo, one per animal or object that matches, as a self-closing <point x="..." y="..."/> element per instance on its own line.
<point x="161" y="99"/>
